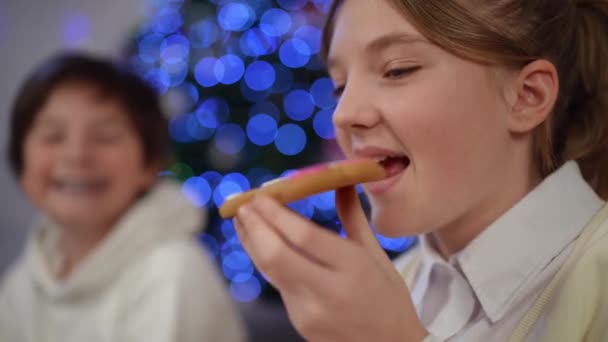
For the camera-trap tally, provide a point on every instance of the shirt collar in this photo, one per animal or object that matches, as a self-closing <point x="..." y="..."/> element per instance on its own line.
<point x="500" y="261"/>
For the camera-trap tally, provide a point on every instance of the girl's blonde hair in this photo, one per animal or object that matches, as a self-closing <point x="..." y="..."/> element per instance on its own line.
<point x="572" y="34"/>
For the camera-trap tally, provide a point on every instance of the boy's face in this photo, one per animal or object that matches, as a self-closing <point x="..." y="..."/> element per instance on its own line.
<point x="441" y="117"/>
<point x="83" y="161"/>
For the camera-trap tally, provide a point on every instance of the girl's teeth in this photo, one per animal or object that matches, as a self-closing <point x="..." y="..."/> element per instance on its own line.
<point x="77" y="187"/>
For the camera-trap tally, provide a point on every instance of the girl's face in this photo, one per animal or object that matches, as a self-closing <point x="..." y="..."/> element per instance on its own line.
<point x="83" y="161"/>
<point x="439" y="121"/>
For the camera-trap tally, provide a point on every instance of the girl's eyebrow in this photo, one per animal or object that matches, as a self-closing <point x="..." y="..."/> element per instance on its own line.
<point x="46" y="120"/>
<point x="383" y="42"/>
<point x="394" y="38"/>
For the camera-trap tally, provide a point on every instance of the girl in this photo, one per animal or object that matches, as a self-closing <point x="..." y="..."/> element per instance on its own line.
<point x="492" y="121"/>
<point x="113" y="257"/>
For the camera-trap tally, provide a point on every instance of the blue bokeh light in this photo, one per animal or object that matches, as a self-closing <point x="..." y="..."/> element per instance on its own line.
<point x="221" y="47"/>
<point x="298" y="105"/>
<point x="292" y="5"/>
<point x="235" y="16"/>
<point x="190" y="93"/>
<point x="204" y="72"/>
<point x="290" y="140"/>
<point x="311" y="35"/>
<point x="245" y="289"/>
<point x="197" y="191"/>
<point x="223" y="190"/>
<point x="236" y="264"/>
<point x="203" y="33"/>
<point x="207" y="119"/>
<point x="212" y="112"/>
<point x="178" y="128"/>
<point x="239" y="179"/>
<point x="262" y="129"/>
<point x="227" y="229"/>
<point x="360" y="188"/>
<point x="159" y="79"/>
<point x="229" y="69"/>
<point x="231" y="245"/>
<point x="149" y="47"/>
<point x="176" y="72"/>
<point x="322" y="91"/>
<point x="229" y="138"/>
<point x="237" y="260"/>
<point x="196" y="131"/>
<point x="76" y="29"/>
<point x="213" y="178"/>
<point x="303" y="207"/>
<point x="324" y="201"/>
<point x="399" y="244"/>
<point x="288" y="173"/>
<point x="167" y="20"/>
<point x="175" y="49"/>
<point x="323" y="124"/>
<point x="256" y="43"/>
<point x="275" y="22"/>
<point x="294" y="53"/>
<point x="259" y="75"/>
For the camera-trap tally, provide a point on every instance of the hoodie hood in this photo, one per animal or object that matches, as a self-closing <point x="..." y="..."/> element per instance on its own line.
<point x="163" y="214"/>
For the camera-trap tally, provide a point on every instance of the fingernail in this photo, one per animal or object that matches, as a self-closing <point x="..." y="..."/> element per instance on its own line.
<point x="243" y="212"/>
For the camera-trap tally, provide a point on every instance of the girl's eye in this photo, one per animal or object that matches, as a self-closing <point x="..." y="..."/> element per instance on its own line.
<point x="338" y="90"/>
<point x="109" y="133"/>
<point x="51" y="137"/>
<point x="107" y="136"/>
<point x="400" y="72"/>
<point x="48" y="136"/>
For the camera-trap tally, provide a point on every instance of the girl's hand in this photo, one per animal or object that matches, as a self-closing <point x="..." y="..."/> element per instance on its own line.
<point x="334" y="289"/>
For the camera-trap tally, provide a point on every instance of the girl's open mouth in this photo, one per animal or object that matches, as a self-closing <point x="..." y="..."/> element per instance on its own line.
<point x="394" y="167"/>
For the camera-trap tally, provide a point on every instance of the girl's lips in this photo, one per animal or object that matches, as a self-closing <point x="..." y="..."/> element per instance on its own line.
<point x="394" y="166"/>
<point x="382" y="186"/>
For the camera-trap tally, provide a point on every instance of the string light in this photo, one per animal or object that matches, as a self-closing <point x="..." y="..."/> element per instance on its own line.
<point x="266" y="53"/>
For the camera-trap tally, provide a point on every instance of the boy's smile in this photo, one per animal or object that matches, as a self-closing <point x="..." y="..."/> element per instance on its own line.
<point x="83" y="161"/>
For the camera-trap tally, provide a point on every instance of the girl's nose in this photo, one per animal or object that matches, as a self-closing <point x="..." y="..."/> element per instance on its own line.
<point x="356" y="108"/>
<point x="77" y="149"/>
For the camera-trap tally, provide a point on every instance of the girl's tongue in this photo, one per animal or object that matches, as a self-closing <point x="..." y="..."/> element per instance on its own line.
<point x="394" y="165"/>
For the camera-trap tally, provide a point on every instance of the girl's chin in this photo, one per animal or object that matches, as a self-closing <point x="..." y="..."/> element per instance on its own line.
<point x="84" y="220"/>
<point x="387" y="229"/>
<point x="394" y="225"/>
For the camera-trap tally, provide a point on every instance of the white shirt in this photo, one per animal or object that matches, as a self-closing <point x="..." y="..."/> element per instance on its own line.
<point x="482" y="292"/>
<point x="148" y="280"/>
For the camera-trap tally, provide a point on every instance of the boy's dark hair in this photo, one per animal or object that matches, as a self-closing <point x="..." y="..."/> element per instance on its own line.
<point x="140" y="101"/>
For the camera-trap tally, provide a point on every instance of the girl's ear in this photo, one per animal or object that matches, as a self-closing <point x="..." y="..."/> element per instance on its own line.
<point x="535" y="93"/>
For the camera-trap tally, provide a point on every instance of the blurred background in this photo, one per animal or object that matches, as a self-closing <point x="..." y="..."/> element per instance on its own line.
<point x="31" y="31"/>
<point x="247" y="97"/>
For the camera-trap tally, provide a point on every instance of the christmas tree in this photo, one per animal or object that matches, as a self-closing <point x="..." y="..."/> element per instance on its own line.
<point x="249" y="101"/>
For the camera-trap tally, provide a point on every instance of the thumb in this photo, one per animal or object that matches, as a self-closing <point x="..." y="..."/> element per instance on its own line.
<point x="354" y="221"/>
<point x="357" y="229"/>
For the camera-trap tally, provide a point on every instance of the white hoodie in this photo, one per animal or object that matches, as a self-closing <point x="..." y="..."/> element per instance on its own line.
<point x="148" y="280"/>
